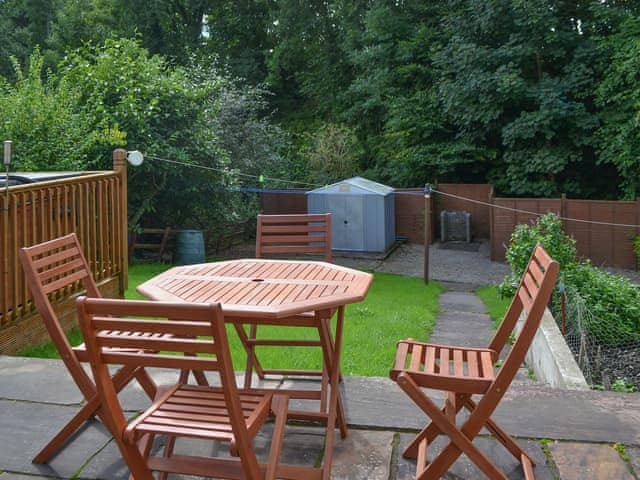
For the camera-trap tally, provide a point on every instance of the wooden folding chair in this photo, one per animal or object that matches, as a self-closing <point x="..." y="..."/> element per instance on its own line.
<point x="286" y="234"/>
<point x="206" y="413"/>
<point x="292" y="234"/>
<point x="462" y="372"/>
<point x="59" y="267"/>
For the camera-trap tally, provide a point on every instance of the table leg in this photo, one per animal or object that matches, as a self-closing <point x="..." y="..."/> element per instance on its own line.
<point x="328" y="352"/>
<point x="334" y="396"/>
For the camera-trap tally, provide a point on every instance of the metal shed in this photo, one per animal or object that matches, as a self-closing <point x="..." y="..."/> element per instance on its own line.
<point x="363" y="214"/>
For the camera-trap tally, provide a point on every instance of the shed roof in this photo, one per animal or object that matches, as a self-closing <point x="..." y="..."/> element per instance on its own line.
<point x="355" y="185"/>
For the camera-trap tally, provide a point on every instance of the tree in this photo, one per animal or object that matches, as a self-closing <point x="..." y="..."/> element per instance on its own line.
<point x="619" y="97"/>
<point x="516" y="79"/>
<point x="43" y="122"/>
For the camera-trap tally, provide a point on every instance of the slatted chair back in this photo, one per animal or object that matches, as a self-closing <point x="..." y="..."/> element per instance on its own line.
<point x="194" y="338"/>
<point x="531" y="300"/>
<point x="294" y="234"/>
<point x="59" y="267"/>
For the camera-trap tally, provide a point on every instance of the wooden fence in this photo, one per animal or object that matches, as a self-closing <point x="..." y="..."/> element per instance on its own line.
<point x="596" y="225"/>
<point x="496" y="218"/>
<point x="94" y="206"/>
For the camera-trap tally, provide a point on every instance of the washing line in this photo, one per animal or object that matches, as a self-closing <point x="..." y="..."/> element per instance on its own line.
<point x="261" y="178"/>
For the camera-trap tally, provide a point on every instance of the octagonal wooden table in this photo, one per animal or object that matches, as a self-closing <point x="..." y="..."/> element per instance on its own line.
<point x="273" y="292"/>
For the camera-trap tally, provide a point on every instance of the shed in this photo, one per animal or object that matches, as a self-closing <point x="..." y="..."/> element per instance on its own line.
<point x="362" y="211"/>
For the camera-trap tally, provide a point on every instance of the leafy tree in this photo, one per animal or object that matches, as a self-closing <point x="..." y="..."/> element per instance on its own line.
<point x="515" y="78"/>
<point x="172" y="28"/>
<point x="619" y="96"/>
<point x="334" y="153"/>
<point x="240" y="36"/>
<point x="43" y="122"/>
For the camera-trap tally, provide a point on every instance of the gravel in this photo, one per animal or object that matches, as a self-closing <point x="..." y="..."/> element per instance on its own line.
<point x="445" y="265"/>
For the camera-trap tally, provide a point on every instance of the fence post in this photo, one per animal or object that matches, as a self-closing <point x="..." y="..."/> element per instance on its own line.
<point x="492" y="232"/>
<point x="427" y="229"/>
<point x="120" y="167"/>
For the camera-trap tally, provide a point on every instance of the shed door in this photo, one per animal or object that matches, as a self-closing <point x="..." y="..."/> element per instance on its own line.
<point x="346" y="222"/>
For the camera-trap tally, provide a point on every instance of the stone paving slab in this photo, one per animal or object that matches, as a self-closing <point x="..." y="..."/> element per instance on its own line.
<point x="583" y="461"/>
<point x="19" y="476"/>
<point x="27" y="427"/>
<point x="634" y="458"/>
<point x="453" y="301"/>
<point x="363" y="455"/>
<point x="525" y="411"/>
<point x="464" y="468"/>
<point x="476" y="327"/>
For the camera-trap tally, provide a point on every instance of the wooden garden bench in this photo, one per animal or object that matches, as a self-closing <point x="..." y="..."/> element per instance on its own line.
<point x="462" y="372"/>
<point x="154" y="242"/>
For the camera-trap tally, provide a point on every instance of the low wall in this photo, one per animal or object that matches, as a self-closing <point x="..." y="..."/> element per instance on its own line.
<point x="30" y="330"/>
<point x="550" y="358"/>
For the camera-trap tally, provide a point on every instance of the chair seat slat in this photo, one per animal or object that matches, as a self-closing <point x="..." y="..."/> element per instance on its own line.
<point x="417" y="354"/>
<point x="487" y="364"/>
<point x="458" y="363"/>
<point x="430" y="361"/>
<point x="444" y="361"/>
<point x="472" y="364"/>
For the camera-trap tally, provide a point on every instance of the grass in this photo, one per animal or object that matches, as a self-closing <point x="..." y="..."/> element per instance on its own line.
<point x="495" y="303"/>
<point x="396" y="307"/>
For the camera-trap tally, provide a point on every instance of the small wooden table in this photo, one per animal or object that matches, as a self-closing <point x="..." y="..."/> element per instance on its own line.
<point x="273" y="292"/>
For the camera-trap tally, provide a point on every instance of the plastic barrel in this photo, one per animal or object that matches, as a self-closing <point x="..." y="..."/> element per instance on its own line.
<point x="189" y="247"/>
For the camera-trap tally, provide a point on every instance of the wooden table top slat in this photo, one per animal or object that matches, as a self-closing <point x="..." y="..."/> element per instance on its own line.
<point x="261" y="288"/>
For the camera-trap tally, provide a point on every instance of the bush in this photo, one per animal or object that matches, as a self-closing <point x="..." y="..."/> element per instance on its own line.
<point x="548" y="232"/>
<point x="612" y="301"/>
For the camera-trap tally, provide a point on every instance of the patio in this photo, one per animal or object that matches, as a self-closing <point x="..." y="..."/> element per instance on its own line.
<point x="37" y="397"/>
<point x="570" y="434"/>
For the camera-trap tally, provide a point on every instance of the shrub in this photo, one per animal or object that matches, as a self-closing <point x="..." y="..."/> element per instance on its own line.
<point x="548" y="232"/>
<point x="612" y="301"/>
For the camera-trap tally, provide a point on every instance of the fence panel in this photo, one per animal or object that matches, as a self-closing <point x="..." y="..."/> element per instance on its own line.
<point x="603" y="243"/>
<point x="480" y="213"/>
<point x="509" y="212"/>
<point x="409" y="206"/>
<point x="283" y="202"/>
<point x="89" y="205"/>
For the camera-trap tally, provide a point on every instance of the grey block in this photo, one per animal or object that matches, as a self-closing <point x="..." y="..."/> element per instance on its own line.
<point x="363" y="455"/>
<point x="463" y="468"/>
<point x="26" y="427"/>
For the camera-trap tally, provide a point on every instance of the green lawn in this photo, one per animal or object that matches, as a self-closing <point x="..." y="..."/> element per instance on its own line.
<point x="396" y="307"/>
<point x="496" y="304"/>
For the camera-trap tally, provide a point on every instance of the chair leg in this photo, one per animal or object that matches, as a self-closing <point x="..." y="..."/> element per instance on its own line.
<point x="146" y="382"/>
<point x="328" y="349"/>
<point x="252" y="360"/>
<point x="501" y="435"/>
<point x="279" y="406"/>
<point x="430" y="432"/>
<point x="460" y="442"/>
